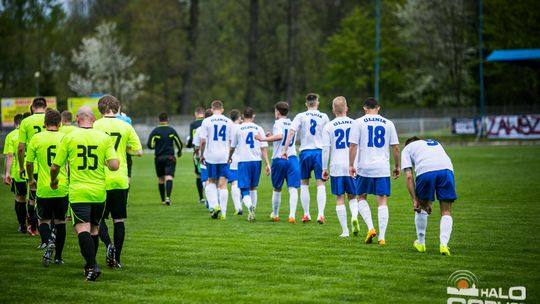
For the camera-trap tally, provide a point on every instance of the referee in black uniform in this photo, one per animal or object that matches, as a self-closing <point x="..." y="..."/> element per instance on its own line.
<point x="162" y="139"/>
<point x="199" y="116"/>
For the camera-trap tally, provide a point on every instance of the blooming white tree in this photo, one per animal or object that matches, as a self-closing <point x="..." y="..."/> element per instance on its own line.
<point x="104" y="68"/>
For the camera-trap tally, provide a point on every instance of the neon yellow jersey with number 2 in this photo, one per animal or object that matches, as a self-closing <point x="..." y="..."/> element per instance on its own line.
<point x="86" y="150"/>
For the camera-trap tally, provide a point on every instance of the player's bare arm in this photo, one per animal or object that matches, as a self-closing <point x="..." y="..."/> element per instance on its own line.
<point x="269" y="137"/>
<point x="7" y="167"/>
<point x="55" y="169"/>
<point x="20" y="156"/>
<point x="395" y="151"/>
<point x="325" y="158"/>
<point x="112" y="164"/>
<point x="231" y="152"/>
<point x="30" y="171"/>
<point x="264" y="152"/>
<point x="409" y="180"/>
<point x="352" y="157"/>
<point x="203" y="145"/>
<point x="137" y="153"/>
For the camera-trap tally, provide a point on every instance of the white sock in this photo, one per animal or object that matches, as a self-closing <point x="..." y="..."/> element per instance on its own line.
<point x="293" y="201"/>
<point x="236" y="196"/>
<point x="304" y="198"/>
<point x="321" y="199"/>
<point x="353" y="206"/>
<point x="223" y="198"/>
<point x="276" y="200"/>
<point x="365" y="212"/>
<point x="253" y="194"/>
<point x="446" y="229"/>
<point x="247" y="201"/>
<point x="211" y="195"/>
<point x="383" y="221"/>
<point x="420" y="219"/>
<point x="342" y="217"/>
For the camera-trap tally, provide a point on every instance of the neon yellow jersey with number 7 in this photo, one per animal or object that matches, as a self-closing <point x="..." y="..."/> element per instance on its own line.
<point x="86" y="150"/>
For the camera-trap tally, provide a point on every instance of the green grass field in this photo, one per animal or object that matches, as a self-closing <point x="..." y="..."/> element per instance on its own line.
<point x="178" y="254"/>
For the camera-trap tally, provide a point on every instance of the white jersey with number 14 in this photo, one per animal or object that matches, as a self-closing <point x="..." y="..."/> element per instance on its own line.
<point x="216" y="129"/>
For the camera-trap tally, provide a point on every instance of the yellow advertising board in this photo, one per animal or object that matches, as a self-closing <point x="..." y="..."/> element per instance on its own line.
<point x="74" y="103"/>
<point x="18" y="105"/>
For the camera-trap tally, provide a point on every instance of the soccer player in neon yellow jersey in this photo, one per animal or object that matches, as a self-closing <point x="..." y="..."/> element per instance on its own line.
<point x="11" y="173"/>
<point x="66" y="126"/>
<point x="31" y="125"/>
<point x="87" y="152"/>
<point x="50" y="203"/>
<point x="117" y="182"/>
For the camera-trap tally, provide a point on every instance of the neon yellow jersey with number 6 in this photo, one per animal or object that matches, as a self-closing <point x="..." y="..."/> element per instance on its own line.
<point x="41" y="151"/>
<point x="86" y="150"/>
<point x="123" y="136"/>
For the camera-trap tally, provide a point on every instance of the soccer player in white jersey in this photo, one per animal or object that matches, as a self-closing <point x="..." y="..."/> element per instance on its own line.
<point x="371" y="138"/>
<point x="336" y="148"/>
<point x="236" y="196"/>
<point x="250" y="153"/>
<point x="215" y="144"/>
<point x="197" y="155"/>
<point x="434" y="174"/>
<point x="283" y="168"/>
<point x="309" y="126"/>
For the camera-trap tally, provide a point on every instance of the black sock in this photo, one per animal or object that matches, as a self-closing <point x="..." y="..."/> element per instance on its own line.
<point x="162" y="191"/>
<point x="95" y="239"/>
<point x="119" y="235"/>
<point x="104" y="233"/>
<point x="45" y="232"/>
<point x="20" y="209"/>
<point x="87" y="249"/>
<point x="60" y="240"/>
<point x="32" y="217"/>
<point x="168" y="186"/>
<point x="198" y="181"/>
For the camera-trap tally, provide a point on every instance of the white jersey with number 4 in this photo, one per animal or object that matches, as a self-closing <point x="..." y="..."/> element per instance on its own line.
<point x="309" y="126"/>
<point x="243" y="140"/>
<point x="216" y="129"/>
<point x="336" y="135"/>
<point x="374" y="135"/>
<point x="282" y="127"/>
<point x="425" y="156"/>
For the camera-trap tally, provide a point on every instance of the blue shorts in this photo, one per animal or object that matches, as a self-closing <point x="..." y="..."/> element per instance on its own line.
<point x="232" y="176"/>
<point x="249" y="174"/>
<point x="311" y="160"/>
<point x="440" y="182"/>
<point x="342" y="184"/>
<point x="215" y="171"/>
<point x="204" y="174"/>
<point x="373" y="185"/>
<point x="285" y="169"/>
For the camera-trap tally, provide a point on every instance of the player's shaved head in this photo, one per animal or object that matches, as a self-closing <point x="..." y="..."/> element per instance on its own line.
<point x="85" y="114"/>
<point x="217" y="105"/>
<point x="339" y="105"/>
<point x="67" y="117"/>
<point x="108" y="103"/>
<point x="52" y="118"/>
<point x="312" y="100"/>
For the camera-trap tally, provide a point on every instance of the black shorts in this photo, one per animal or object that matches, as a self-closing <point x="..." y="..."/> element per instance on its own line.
<point x="129" y="162"/>
<point x="52" y="208"/>
<point x="19" y="188"/>
<point x="116" y="204"/>
<point x="86" y="213"/>
<point x="165" y="165"/>
<point x="33" y="195"/>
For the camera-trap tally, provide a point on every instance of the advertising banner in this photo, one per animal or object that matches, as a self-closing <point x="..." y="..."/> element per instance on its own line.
<point x="18" y="105"/>
<point x="513" y="126"/>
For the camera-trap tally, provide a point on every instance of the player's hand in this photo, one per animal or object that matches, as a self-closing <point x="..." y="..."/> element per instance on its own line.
<point x="268" y="134"/>
<point x="416" y="206"/>
<point x="7" y="179"/>
<point x="32" y="183"/>
<point x="396" y="172"/>
<point x="54" y="183"/>
<point x="352" y="171"/>
<point x="285" y="156"/>
<point x="179" y="153"/>
<point x="325" y="175"/>
<point x="22" y="173"/>
<point x="259" y="137"/>
<point x="203" y="161"/>
<point x="268" y="170"/>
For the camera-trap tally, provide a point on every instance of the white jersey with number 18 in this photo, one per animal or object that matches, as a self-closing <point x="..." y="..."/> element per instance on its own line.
<point x="216" y="129"/>
<point x="374" y="135"/>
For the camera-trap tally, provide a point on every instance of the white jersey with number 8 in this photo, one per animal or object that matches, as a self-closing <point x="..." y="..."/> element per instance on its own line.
<point x="374" y="135"/>
<point x="309" y="125"/>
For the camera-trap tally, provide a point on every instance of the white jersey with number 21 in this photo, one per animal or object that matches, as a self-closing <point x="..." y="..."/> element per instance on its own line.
<point x="374" y="135"/>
